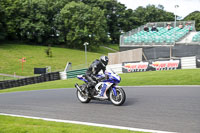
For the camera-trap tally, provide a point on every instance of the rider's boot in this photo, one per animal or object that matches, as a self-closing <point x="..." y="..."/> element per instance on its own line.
<point x="86" y="91"/>
<point x="89" y="86"/>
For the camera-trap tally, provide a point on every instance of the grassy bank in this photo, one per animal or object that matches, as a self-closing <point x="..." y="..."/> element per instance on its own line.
<point x="25" y="125"/>
<point x="2" y="78"/>
<point x="171" y="77"/>
<point x="36" y="57"/>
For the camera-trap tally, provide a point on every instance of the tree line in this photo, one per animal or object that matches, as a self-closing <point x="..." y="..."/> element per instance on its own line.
<point x="73" y="22"/>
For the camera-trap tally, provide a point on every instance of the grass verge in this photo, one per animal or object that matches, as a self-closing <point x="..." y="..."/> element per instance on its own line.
<point x="36" y="57"/>
<point x="25" y="125"/>
<point x="171" y="77"/>
<point x="113" y="46"/>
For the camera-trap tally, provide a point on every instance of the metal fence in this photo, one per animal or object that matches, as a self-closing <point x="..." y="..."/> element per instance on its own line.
<point x="30" y="80"/>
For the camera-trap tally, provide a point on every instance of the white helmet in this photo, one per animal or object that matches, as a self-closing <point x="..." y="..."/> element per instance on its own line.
<point x="104" y="60"/>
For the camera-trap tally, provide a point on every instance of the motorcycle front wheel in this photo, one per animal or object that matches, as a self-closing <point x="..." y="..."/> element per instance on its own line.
<point x="119" y="99"/>
<point x="82" y="98"/>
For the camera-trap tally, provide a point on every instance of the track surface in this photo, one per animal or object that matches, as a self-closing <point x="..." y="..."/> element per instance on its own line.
<point x="167" y="108"/>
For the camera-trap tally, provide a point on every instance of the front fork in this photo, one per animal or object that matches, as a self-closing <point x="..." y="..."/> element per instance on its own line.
<point x="114" y="90"/>
<point x="108" y="85"/>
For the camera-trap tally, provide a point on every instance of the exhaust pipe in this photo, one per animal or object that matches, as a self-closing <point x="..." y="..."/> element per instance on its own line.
<point x="79" y="89"/>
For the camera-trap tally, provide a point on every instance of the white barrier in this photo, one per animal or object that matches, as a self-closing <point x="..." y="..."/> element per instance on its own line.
<point x="117" y="68"/>
<point x="63" y="75"/>
<point x="188" y="62"/>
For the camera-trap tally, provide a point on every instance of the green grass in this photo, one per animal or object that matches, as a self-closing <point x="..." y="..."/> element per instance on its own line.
<point x="170" y="77"/>
<point x="2" y="78"/>
<point x="36" y="57"/>
<point x="25" y="125"/>
<point x="113" y="46"/>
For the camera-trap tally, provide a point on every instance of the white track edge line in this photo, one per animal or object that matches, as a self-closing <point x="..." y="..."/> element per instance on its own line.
<point x="89" y="124"/>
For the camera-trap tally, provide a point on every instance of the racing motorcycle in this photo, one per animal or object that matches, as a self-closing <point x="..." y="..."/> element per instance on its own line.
<point x="114" y="93"/>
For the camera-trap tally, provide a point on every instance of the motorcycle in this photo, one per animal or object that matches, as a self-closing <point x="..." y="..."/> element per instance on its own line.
<point x="114" y="93"/>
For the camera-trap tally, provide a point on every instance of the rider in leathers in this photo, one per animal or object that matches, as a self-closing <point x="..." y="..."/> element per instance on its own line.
<point x="94" y="69"/>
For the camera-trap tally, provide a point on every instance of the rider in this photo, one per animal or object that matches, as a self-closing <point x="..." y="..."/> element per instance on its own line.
<point x="94" y="69"/>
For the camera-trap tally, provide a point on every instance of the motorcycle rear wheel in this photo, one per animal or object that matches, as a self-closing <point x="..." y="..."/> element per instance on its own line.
<point x="119" y="99"/>
<point x="82" y="98"/>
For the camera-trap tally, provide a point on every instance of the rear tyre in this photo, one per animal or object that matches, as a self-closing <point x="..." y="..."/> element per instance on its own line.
<point x="82" y="98"/>
<point x="119" y="99"/>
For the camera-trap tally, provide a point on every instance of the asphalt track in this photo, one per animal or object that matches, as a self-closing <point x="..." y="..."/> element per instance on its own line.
<point x="165" y="108"/>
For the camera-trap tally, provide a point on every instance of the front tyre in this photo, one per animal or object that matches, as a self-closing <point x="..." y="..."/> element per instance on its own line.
<point x="119" y="99"/>
<point x="82" y="98"/>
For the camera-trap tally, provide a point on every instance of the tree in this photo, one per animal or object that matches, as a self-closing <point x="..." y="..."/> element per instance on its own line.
<point x="114" y="13"/>
<point x="73" y="22"/>
<point x="8" y="11"/>
<point x="195" y="16"/>
<point x="128" y="21"/>
<point x="3" y="32"/>
<point x="53" y="10"/>
<point x="34" y="25"/>
<point x="153" y="14"/>
<point x="32" y="20"/>
<point x="79" y="23"/>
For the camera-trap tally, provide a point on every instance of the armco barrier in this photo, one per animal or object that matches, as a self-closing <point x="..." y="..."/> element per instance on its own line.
<point x="74" y="73"/>
<point x="30" y="80"/>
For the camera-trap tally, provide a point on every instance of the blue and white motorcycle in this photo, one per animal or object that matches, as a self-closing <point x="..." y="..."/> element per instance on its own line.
<point x="114" y="93"/>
